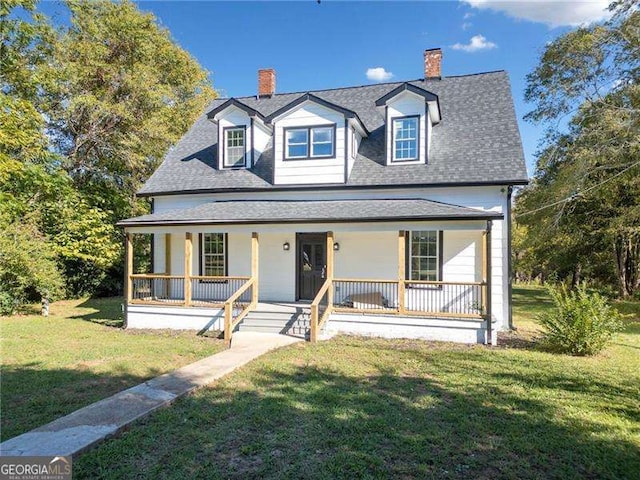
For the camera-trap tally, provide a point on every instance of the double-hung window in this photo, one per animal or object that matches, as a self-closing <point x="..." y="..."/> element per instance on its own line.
<point x="234" y="147"/>
<point x="213" y="254"/>
<point x="405" y="138"/>
<point x="425" y="258"/>
<point x="309" y="142"/>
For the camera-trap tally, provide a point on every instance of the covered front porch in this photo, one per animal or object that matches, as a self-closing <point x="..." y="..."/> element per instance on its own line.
<point x="366" y="277"/>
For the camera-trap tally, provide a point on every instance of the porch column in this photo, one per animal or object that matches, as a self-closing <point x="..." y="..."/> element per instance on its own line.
<point x="401" y="270"/>
<point x="167" y="254"/>
<point x="255" y="250"/>
<point x="330" y="266"/>
<point x="486" y="281"/>
<point x="167" y="262"/>
<point x="188" y="264"/>
<point x="129" y="267"/>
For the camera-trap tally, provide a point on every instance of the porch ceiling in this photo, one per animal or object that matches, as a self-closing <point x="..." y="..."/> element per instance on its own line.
<point x="312" y="211"/>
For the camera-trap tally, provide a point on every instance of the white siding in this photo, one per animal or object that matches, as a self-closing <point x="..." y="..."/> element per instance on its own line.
<point x="262" y="137"/>
<point x="353" y="137"/>
<point x="404" y="105"/>
<point x="324" y="170"/>
<point x="278" y="267"/>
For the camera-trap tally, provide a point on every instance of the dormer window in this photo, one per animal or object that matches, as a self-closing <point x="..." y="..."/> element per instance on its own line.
<point x="310" y="142"/>
<point x="234" y="147"/>
<point x="405" y="138"/>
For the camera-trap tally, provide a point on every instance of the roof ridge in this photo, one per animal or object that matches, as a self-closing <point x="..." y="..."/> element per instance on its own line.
<point x="348" y="87"/>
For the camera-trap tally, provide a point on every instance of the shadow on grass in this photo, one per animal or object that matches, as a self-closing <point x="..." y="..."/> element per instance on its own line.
<point x="307" y="422"/>
<point x="33" y="395"/>
<point x="106" y="311"/>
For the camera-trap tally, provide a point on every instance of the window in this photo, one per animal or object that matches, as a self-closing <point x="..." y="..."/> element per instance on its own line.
<point x="405" y="138"/>
<point x="322" y="142"/>
<point x="234" y="152"/>
<point x="298" y="143"/>
<point x="354" y="144"/>
<point x="309" y="142"/>
<point x="213" y="254"/>
<point x="425" y="256"/>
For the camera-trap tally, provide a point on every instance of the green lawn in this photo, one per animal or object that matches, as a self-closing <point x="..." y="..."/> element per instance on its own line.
<point x="371" y="408"/>
<point x="78" y="355"/>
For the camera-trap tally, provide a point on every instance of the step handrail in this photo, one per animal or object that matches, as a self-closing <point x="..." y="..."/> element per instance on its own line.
<point x="316" y="322"/>
<point x="229" y="321"/>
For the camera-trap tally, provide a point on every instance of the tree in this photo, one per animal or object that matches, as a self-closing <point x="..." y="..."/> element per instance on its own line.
<point x="128" y="93"/>
<point x="86" y="113"/>
<point x="582" y="209"/>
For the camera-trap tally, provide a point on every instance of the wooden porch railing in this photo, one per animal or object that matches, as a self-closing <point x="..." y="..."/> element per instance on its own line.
<point x="204" y="291"/>
<point x="397" y="297"/>
<point x="242" y="302"/>
<point x="321" y="308"/>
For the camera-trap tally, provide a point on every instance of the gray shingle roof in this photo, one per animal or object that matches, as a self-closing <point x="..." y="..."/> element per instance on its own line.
<point x="303" y="211"/>
<point x="476" y="142"/>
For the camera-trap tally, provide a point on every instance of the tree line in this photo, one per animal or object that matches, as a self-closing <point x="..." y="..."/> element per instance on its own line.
<point x="88" y="108"/>
<point x="579" y="219"/>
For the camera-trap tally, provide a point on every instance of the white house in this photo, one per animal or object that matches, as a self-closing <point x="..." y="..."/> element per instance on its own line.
<point x="378" y="210"/>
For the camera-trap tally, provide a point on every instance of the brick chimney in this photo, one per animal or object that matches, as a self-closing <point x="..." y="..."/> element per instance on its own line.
<point x="433" y="63"/>
<point x="266" y="82"/>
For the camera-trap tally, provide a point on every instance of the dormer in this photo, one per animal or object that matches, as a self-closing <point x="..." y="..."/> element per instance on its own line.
<point x="410" y="112"/>
<point x="242" y="134"/>
<point x="312" y="140"/>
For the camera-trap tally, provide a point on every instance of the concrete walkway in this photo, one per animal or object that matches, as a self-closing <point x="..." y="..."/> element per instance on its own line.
<point x="84" y="428"/>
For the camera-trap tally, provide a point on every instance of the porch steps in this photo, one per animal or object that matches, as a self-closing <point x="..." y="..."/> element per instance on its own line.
<point x="285" y="319"/>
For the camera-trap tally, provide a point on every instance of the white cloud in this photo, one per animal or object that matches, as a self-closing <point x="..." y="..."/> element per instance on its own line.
<point x="554" y="13"/>
<point x="466" y="25"/>
<point x="477" y="42"/>
<point x="378" y="74"/>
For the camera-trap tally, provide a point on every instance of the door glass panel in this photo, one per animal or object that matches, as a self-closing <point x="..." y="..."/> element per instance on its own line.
<point x="306" y="258"/>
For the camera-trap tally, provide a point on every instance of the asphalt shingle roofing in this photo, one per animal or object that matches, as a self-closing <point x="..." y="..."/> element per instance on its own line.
<point x="477" y="141"/>
<point x="301" y="211"/>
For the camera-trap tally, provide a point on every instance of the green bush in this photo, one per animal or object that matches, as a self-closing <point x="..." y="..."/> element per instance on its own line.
<point x="7" y="304"/>
<point x="581" y="323"/>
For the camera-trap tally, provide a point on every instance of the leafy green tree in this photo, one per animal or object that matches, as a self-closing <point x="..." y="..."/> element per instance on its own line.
<point x="28" y="267"/>
<point x="582" y="209"/>
<point x="128" y="93"/>
<point x="86" y="113"/>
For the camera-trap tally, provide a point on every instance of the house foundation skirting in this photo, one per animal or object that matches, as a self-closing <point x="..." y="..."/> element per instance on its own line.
<point x="174" y="318"/>
<point x="393" y="326"/>
<point x="468" y="331"/>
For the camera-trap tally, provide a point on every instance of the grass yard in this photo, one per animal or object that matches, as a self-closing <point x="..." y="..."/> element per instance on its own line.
<point x="53" y="366"/>
<point x="371" y="408"/>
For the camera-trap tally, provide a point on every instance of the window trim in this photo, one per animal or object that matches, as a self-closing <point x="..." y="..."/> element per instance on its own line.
<point x="439" y="256"/>
<point x="225" y="130"/>
<point x="309" y="156"/>
<point x="201" y="254"/>
<point x="393" y="145"/>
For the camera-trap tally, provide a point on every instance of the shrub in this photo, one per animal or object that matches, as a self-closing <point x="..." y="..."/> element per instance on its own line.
<point x="581" y="323"/>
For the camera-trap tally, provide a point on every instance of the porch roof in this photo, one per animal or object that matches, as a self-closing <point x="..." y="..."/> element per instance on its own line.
<point x="311" y="211"/>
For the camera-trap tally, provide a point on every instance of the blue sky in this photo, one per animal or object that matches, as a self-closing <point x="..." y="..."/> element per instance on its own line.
<point x="333" y="44"/>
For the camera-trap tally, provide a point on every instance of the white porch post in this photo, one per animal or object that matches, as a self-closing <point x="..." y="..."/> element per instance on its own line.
<point x="486" y="280"/>
<point x="255" y="262"/>
<point x="129" y="267"/>
<point x="188" y="265"/>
